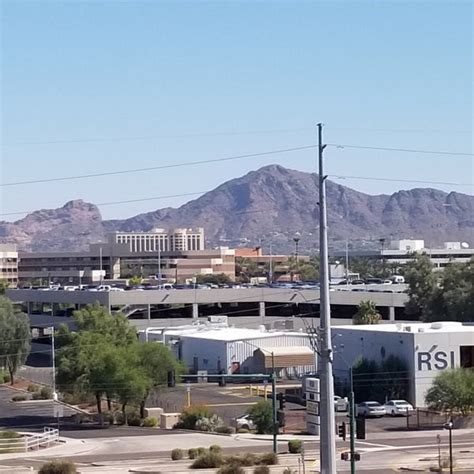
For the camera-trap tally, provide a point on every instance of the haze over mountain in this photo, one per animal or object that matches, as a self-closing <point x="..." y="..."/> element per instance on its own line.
<point x="272" y="203"/>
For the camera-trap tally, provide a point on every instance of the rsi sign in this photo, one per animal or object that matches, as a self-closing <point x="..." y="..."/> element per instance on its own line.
<point x="439" y="360"/>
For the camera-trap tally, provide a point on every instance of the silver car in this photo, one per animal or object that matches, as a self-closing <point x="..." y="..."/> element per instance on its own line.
<point x="370" y="409"/>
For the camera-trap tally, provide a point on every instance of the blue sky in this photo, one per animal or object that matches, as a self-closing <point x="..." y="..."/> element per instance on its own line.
<point x="205" y="80"/>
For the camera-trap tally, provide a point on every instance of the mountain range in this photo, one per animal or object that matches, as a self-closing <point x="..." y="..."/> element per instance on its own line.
<point x="272" y="203"/>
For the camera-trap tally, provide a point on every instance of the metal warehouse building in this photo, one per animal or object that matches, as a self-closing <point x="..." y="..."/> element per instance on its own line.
<point x="218" y="348"/>
<point x="427" y="349"/>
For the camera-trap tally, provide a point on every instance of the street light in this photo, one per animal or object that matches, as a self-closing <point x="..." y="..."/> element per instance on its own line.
<point x="449" y="426"/>
<point x="274" y="398"/>
<point x="296" y="239"/>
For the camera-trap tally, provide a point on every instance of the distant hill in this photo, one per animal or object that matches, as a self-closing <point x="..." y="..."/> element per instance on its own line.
<point x="271" y="203"/>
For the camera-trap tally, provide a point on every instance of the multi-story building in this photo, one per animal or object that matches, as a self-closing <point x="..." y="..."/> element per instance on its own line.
<point x="9" y="264"/>
<point x="168" y="240"/>
<point x="125" y="255"/>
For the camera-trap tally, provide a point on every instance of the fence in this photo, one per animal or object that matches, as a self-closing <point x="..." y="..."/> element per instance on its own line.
<point x="29" y="442"/>
<point x="423" y="419"/>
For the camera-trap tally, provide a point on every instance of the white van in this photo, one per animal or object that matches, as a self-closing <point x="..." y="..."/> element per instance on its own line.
<point x="398" y="279"/>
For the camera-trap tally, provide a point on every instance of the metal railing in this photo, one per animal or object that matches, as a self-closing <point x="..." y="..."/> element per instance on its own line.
<point x="30" y="442"/>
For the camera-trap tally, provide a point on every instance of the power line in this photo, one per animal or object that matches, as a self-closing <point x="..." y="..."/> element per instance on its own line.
<point x="161" y="167"/>
<point x="397" y="180"/>
<point x="402" y="150"/>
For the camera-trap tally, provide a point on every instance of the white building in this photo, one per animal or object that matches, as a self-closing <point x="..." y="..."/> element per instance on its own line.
<point x="407" y="245"/>
<point x="218" y="348"/>
<point x="9" y="264"/>
<point x="427" y="349"/>
<point x="166" y="240"/>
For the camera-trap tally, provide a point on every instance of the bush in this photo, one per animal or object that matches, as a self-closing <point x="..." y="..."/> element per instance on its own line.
<point x="262" y="416"/>
<point x="210" y="423"/>
<point x="263" y="469"/>
<point x="201" y="451"/>
<point x="295" y="446"/>
<point x="46" y="393"/>
<point x="231" y="469"/>
<point x="150" y="422"/>
<point x="208" y="461"/>
<point x="191" y="415"/>
<point x="4" y="377"/>
<point x="215" y="448"/>
<point x="177" y="454"/>
<point x="243" y="430"/>
<point x="288" y="470"/>
<point x="108" y="417"/>
<point x="58" y="467"/>
<point x="247" y="459"/>
<point x="33" y="388"/>
<point x="9" y="435"/>
<point x="119" y="418"/>
<point x="133" y="419"/>
<point x="224" y="430"/>
<point x="269" y="459"/>
<point x="19" y="398"/>
<point x="192" y="453"/>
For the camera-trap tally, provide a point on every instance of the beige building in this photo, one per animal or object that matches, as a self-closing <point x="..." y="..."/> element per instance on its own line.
<point x="9" y="264"/>
<point x="130" y="254"/>
<point x="169" y="240"/>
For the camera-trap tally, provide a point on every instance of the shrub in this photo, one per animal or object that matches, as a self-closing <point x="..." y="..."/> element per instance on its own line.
<point x="9" y="435"/>
<point x="119" y="418"/>
<point x="224" y="429"/>
<point x="46" y="393"/>
<point x="58" y="467"/>
<point x="19" y="398"/>
<point x="191" y="415"/>
<point x="263" y="469"/>
<point x="150" y="422"/>
<point x="108" y="417"/>
<point x="269" y="459"/>
<point x="192" y="453"/>
<point x="33" y="387"/>
<point x="208" y="460"/>
<point x="262" y="416"/>
<point x="247" y="459"/>
<point x="201" y="451"/>
<point x="288" y="470"/>
<point x="243" y="430"/>
<point x="133" y="419"/>
<point x="177" y="454"/>
<point x="295" y="446"/>
<point x="4" y="376"/>
<point x="210" y="423"/>
<point x="215" y="448"/>
<point x="231" y="469"/>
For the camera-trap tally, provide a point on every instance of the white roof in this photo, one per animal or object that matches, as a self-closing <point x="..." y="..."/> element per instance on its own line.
<point x="436" y="327"/>
<point x="220" y="332"/>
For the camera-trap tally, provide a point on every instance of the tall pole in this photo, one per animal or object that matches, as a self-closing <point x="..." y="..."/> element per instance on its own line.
<point x="351" y="422"/>
<point x="450" y="428"/>
<point x="274" y="406"/>
<point x="159" y="261"/>
<point x="100" y="263"/>
<point x="271" y="264"/>
<point x="347" y="261"/>
<point x="328" y="427"/>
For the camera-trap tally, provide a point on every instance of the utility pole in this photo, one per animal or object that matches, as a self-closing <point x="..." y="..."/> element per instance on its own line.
<point x="159" y="260"/>
<point x="328" y="427"/>
<point x="352" y="421"/>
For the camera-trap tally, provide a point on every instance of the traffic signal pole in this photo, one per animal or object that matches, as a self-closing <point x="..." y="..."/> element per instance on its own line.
<point x="352" y="422"/>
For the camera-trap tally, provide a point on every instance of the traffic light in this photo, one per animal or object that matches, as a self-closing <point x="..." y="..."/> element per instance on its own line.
<point x="341" y="430"/>
<point x="360" y="428"/>
<point x="282" y="399"/>
<point x="345" y="455"/>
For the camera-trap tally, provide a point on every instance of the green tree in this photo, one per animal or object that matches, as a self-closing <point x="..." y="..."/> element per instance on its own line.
<point x="3" y="286"/>
<point x="15" y="337"/>
<point x="218" y="279"/>
<point x="156" y="360"/>
<point x="422" y="283"/>
<point x="452" y="392"/>
<point x="453" y="298"/>
<point x="366" y="313"/>
<point x="135" y="280"/>
<point x="262" y="415"/>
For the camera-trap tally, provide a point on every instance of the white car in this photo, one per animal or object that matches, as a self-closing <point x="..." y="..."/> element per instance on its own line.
<point x="371" y="408"/>
<point x="341" y="404"/>
<point x="244" y="422"/>
<point x="398" y="407"/>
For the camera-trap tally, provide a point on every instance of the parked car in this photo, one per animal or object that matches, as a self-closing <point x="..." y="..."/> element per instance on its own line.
<point x="398" y="407"/>
<point x="341" y="404"/>
<point x="369" y="409"/>
<point x="244" y="422"/>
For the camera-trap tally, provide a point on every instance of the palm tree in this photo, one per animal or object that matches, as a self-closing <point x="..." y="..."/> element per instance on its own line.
<point x="366" y="313"/>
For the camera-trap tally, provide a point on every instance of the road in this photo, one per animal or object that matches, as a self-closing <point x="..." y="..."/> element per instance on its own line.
<point x="379" y="454"/>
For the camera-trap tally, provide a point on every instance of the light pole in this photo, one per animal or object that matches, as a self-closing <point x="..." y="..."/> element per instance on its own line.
<point x="382" y="244"/>
<point x="100" y="264"/>
<point x="328" y="427"/>
<point x="296" y="239"/>
<point x="53" y="365"/>
<point x="449" y="427"/>
<point x="274" y="397"/>
<point x="159" y="260"/>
